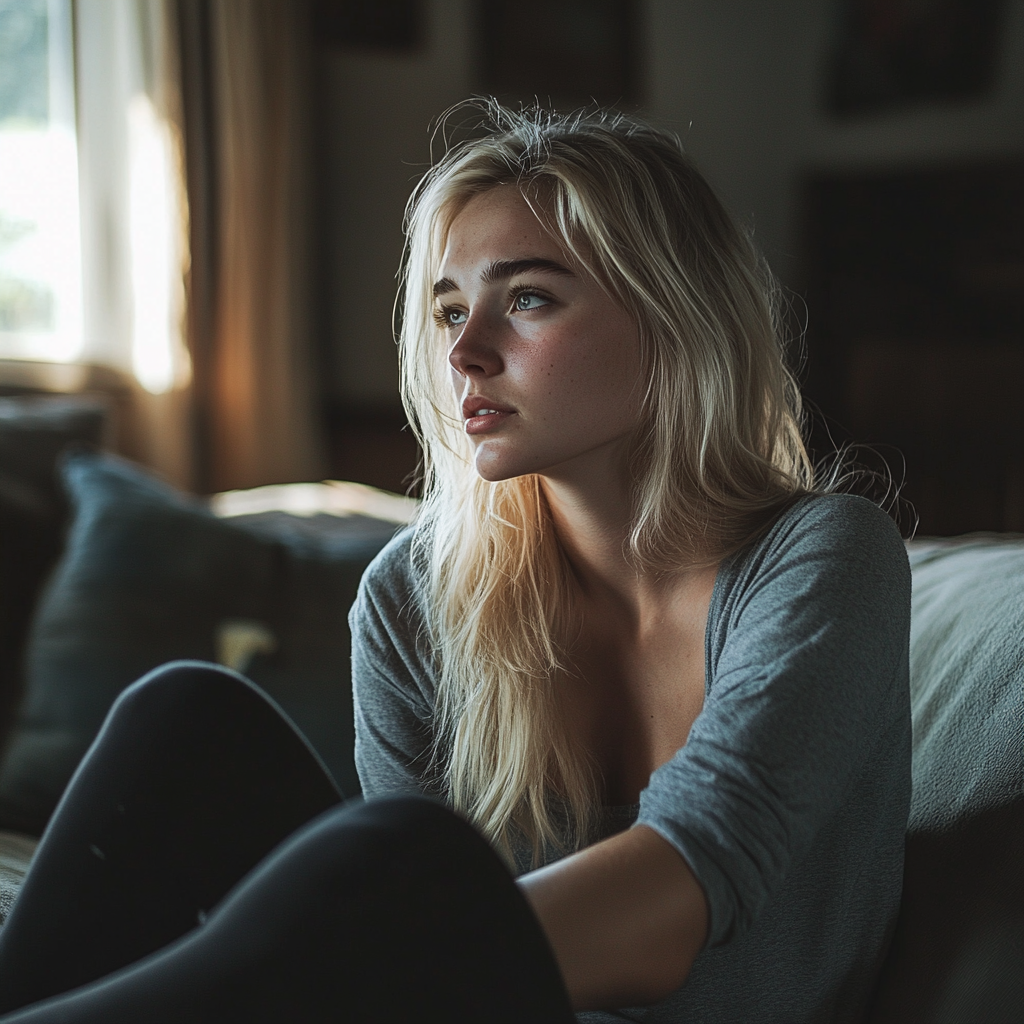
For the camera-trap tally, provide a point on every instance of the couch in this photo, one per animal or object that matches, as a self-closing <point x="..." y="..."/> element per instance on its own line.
<point x="262" y="581"/>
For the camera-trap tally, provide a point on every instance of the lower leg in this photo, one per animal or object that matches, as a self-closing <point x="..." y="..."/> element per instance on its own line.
<point x="392" y="911"/>
<point x="194" y="778"/>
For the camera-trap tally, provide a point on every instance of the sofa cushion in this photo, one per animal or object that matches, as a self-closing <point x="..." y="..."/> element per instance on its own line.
<point x="959" y="941"/>
<point x="33" y="512"/>
<point x="150" y="575"/>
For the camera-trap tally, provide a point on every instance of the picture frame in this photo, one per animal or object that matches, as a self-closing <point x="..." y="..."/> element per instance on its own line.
<point x="562" y="53"/>
<point x="897" y="52"/>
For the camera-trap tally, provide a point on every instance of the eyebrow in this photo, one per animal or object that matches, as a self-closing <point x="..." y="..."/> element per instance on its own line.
<point x="502" y="270"/>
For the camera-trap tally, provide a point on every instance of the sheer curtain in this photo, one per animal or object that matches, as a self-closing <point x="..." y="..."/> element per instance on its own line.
<point x="193" y="147"/>
<point x="134" y="224"/>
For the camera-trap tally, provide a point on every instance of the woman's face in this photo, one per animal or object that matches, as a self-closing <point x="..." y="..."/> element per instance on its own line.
<point x="543" y="362"/>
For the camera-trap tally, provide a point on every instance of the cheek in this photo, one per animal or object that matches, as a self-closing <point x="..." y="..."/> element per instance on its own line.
<point x="610" y="368"/>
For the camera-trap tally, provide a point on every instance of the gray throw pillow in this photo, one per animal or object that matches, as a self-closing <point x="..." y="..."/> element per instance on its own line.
<point x="150" y="575"/>
<point x="34" y="430"/>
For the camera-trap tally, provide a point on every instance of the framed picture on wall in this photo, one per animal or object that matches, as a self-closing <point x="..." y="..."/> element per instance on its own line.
<point x="564" y="52"/>
<point x="893" y="52"/>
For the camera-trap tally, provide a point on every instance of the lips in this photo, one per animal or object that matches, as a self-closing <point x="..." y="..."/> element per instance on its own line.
<point x="478" y="405"/>
<point x="482" y="415"/>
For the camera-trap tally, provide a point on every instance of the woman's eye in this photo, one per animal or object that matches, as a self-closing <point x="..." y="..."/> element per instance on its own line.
<point x="450" y="316"/>
<point x="528" y="300"/>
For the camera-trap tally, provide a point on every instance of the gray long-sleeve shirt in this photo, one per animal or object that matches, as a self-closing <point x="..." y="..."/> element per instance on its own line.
<point x="789" y="800"/>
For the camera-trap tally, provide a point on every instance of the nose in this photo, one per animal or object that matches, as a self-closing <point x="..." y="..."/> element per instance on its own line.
<point x="475" y="352"/>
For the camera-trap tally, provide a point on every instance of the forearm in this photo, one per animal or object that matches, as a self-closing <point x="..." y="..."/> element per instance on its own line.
<point x="625" y="917"/>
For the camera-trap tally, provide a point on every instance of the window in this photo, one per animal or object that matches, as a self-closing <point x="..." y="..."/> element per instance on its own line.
<point x="92" y="211"/>
<point x="40" y="247"/>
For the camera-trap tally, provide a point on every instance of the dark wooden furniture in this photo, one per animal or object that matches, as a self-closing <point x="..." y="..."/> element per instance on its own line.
<point x="915" y="342"/>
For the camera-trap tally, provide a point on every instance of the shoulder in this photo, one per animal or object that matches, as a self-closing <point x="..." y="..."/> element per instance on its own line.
<point x="390" y="595"/>
<point x="830" y="564"/>
<point x="394" y="561"/>
<point x="834" y="518"/>
<point x="826" y="533"/>
<point x="392" y="574"/>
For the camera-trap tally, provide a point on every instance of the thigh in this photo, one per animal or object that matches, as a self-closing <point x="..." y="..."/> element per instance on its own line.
<point x="392" y="911"/>
<point x="195" y="777"/>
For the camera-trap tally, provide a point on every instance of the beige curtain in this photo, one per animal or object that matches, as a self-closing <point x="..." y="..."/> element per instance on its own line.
<point x="247" y="100"/>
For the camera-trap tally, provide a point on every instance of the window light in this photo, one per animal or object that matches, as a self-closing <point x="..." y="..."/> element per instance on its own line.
<point x="40" y="247"/>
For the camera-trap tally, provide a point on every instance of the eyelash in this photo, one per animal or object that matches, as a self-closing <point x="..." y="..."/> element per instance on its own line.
<point x="442" y="313"/>
<point x="441" y="317"/>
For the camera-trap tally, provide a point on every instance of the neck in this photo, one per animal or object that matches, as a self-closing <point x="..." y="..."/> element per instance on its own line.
<point x="591" y="507"/>
<point x="591" y="510"/>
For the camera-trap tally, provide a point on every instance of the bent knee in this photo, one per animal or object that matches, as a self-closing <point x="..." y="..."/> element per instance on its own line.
<point x="186" y="685"/>
<point x="412" y="828"/>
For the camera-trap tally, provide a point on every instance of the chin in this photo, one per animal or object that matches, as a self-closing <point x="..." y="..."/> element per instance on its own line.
<point x="494" y="474"/>
<point x="493" y="467"/>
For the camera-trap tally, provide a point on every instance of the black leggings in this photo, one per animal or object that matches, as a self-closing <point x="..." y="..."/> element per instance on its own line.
<point x="200" y="867"/>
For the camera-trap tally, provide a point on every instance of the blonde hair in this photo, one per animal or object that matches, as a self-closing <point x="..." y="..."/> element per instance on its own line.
<point x="717" y="454"/>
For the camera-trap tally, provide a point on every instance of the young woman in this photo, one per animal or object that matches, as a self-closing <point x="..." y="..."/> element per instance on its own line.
<point x="623" y="602"/>
<point x="627" y="639"/>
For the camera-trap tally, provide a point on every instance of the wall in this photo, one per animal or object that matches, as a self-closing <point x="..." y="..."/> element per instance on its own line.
<point x="380" y="108"/>
<point x="742" y="84"/>
<point x="739" y="80"/>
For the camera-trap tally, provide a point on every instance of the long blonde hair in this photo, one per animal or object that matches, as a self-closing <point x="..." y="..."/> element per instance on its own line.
<point x="717" y="454"/>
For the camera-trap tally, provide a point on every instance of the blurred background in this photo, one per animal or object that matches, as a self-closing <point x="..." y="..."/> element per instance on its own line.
<point x="201" y="211"/>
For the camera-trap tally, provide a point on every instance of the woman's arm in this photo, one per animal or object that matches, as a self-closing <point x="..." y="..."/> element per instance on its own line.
<point x="625" y="917"/>
<point x="392" y="677"/>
